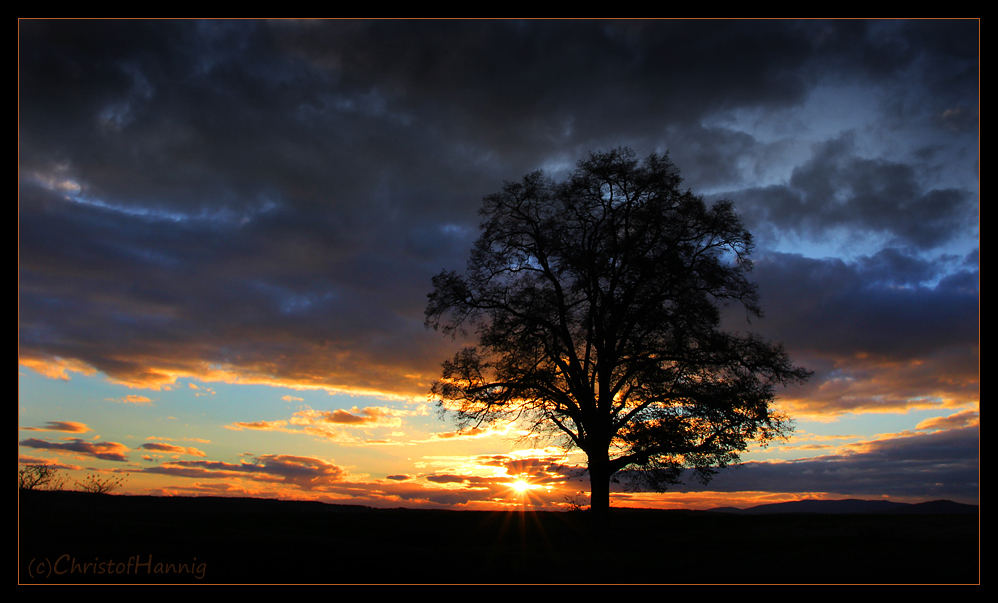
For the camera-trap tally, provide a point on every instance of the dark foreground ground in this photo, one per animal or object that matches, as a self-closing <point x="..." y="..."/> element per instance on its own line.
<point x="70" y="537"/>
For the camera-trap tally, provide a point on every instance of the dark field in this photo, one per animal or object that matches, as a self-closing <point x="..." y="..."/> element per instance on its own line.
<point x="70" y="537"/>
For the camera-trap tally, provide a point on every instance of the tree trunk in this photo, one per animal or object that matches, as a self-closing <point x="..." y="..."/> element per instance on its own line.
<point x="599" y="496"/>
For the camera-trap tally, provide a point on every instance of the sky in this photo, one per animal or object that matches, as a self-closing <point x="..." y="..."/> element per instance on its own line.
<point x="227" y="232"/>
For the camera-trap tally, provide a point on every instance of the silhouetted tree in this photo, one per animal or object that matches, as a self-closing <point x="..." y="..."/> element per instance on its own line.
<point x="40" y="477"/>
<point x="596" y="305"/>
<point x="96" y="484"/>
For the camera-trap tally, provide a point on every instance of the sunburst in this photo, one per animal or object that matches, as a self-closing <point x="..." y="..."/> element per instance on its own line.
<point x="522" y="486"/>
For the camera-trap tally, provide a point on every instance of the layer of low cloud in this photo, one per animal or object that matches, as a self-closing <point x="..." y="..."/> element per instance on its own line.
<point x="108" y="451"/>
<point x="302" y="472"/>
<point x="918" y="466"/>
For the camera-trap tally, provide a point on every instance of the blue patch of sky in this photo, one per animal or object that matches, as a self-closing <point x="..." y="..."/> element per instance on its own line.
<point x="843" y="242"/>
<point x="88" y="399"/>
<point x="180" y="415"/>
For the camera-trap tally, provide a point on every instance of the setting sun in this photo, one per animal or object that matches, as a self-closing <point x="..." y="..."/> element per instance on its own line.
<point x="521" y="485"/>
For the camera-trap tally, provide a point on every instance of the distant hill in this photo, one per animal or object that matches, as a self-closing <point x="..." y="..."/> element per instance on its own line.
<point x="854" y="506"/>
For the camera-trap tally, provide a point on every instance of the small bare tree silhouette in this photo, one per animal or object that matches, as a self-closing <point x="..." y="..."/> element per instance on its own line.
<point x="577" y="501"/>
<point x="96" y="484"/>
<point x="40" y="477"/>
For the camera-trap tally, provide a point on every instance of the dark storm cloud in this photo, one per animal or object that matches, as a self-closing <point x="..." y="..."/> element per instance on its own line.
<point x="225" y="115"/>
<point x="206" y="292"/>
<point x="522" y="82"/>
<point x="212" y="214"/>
<point x="271" y="199"/>
<point x="892" y="304"/>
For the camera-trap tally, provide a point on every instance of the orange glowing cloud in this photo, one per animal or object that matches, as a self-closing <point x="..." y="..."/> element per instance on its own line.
<point x="67" y="426"/>
<point x="372" y="416"/>
<point x="473" y="432"/>
<point x="965" y="418"/>
<point x="134" y="399"/>
<point x="332" y="424"/>
<point x="260" y="425"/>
<point x="56" y="368"/>
<point x="863" y="384"/>
<point x="312" y="368"/>
<point x="171" y="449"/>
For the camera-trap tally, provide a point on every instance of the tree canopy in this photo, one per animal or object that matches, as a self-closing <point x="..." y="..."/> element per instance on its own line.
<point x="596" y="304"/>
